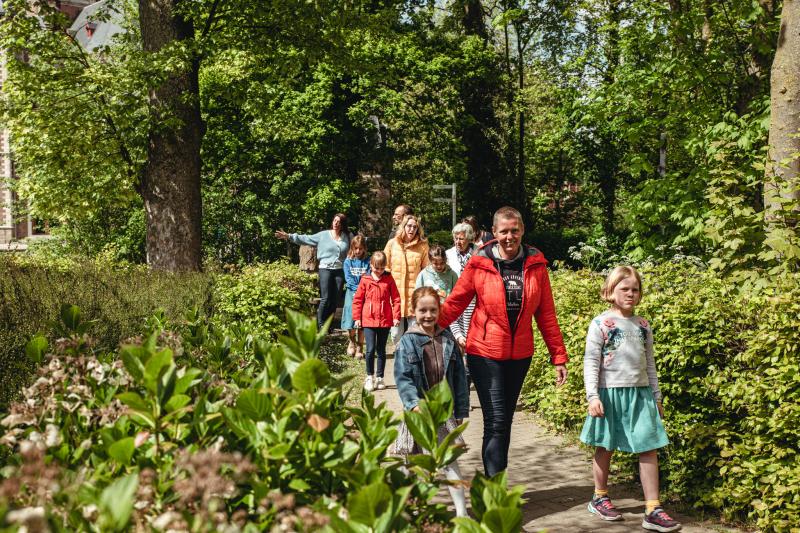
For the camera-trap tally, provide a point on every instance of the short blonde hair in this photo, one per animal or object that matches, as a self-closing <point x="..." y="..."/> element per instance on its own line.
<point x="615" y="277"/>
<point x="378" y="260"/>
<point x="507" y="213"/>
<point x="406" y="218"/>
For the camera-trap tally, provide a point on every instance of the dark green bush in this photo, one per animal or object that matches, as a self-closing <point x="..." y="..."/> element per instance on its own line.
<point x="443" y="237"/>
<point x="171" y="432"/>
<point x="729" y="369"/>
<point x="118" y="298"/>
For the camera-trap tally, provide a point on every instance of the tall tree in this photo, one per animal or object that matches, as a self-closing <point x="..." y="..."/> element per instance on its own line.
<point x="782" y="187"/>
<point x="170" y="184"/>
<point x="486" y="185"/>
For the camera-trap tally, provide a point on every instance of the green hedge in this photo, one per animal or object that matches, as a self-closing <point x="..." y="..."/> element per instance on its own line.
<point x="118" y="298"/>
<point x="729" y="369"/>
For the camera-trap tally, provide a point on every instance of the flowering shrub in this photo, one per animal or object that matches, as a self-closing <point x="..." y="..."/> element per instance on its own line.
<point x="728" y="369"/>
<point x="189" y="427"/>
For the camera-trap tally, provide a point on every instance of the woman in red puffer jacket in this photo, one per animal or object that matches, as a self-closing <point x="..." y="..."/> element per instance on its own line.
<point x="512" y="288"/>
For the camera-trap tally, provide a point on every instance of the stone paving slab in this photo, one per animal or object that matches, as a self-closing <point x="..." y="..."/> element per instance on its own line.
<point x="557" y="476"/>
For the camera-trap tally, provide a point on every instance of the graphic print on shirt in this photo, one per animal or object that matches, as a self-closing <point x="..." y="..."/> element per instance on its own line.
<point x="514" y="284"/>
<point x="614" y="337"/>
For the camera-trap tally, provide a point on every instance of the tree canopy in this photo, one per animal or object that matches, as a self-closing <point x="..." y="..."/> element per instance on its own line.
<point x="644" y="122"/>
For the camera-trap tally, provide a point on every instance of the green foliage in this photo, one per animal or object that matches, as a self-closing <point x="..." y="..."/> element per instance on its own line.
<point x="728" y="370"/>
<point x="77" y="126"/>
<point x="155" y="435"/>
<point x="115" y="297"/>
<point x="256" y="297"/>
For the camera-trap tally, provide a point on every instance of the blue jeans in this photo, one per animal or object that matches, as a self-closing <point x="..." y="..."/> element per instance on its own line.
<point x="498" y="384"/>
<point x="376" y="343"/>
<point x="330" y="287"/>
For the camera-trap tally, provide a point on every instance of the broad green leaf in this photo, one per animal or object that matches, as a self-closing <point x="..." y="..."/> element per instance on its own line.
<point x="71" y="316"/>
<point x="122" y="450"/>
<point x="503" y="520"/>
<point x="310" y="375"/>
<point x="369" y="502"/>
<point x="116" y="503"/>
<point x="133" y="400"/>
<point x="36" y="348"/>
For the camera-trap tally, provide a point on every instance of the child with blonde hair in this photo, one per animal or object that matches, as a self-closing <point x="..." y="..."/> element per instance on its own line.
<point x="376" y="308"/>
<point x="355" y="266"/>
<point x="625" y="408"/>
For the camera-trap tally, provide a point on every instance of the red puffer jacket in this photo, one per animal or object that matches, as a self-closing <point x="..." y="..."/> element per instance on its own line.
<point x="490" y="334"/>
<point x="376" y="303"/>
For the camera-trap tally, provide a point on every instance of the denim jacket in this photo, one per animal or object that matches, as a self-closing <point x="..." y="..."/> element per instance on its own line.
<point x="409" y="370"/>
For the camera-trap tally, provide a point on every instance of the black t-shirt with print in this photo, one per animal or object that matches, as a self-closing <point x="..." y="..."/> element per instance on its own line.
<point x="511" y="272"/>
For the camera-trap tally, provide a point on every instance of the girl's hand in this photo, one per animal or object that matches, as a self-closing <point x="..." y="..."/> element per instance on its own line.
<point x="462" y="343"/>
<point x="660" y="409"/>
<point x="282" y="235"/>
<point x="395" y="323"/>
<point x="459" y="421"/>
<point x="357" y="324"/>
<point x="596" y="408"/>
<point x="415" y="409"/>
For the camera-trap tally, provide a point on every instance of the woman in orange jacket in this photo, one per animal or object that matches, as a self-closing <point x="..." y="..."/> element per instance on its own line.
<point x="406" y="257"/>
<point x="512" y="287"/>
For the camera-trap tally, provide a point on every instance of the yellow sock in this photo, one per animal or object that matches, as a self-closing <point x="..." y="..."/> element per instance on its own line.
<point x="599" y="493"/>
<point x="650" y="506"/>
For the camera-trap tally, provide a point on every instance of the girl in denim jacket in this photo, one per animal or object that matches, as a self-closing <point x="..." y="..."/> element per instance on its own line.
<point x="427" y="355"/>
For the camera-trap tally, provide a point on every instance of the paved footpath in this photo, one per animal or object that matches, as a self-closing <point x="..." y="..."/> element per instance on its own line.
<point x="558" y="477"/>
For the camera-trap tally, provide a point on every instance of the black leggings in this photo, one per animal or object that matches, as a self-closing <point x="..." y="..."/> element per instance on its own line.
<point x="376" y="342"/>
<point x="498" y="384"/>
<point x="330" y="287"/>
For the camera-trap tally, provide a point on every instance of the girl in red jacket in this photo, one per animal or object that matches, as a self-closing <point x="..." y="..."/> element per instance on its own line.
<point x="376" y="308"/>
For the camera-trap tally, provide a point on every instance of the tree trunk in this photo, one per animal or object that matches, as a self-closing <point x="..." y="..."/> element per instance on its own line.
<point x="782" y="183"/>
<point x="521" y="191"/>
<point x="171" y="182"/>
<point x="486" y="179"/>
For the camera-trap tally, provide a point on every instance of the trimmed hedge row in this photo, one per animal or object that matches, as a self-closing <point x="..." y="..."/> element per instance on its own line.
<point x="729" y="369"/>
<point x="119" y="299"/>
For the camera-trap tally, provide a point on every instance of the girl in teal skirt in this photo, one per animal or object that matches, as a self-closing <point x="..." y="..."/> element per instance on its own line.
<point x="624" y="399"/>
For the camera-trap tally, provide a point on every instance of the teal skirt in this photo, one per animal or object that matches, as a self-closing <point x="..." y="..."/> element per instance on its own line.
<point x="347" y="310"/>
<point x="631" y="422"/>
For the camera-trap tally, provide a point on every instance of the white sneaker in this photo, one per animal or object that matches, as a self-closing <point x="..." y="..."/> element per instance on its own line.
<point x="379" y="385"/>
<point x="369" y="386"/>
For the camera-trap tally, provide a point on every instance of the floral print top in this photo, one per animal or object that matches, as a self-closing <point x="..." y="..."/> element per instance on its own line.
<point x="619" y="353"/>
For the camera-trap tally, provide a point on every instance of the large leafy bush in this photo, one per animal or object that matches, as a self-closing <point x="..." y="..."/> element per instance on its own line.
<point x="728" y="367"/>
<point x="256" y="297"/>
<point x="165" y="434"/>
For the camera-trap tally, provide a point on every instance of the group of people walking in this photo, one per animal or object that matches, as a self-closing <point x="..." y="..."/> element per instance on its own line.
<point x="466" y="314"/>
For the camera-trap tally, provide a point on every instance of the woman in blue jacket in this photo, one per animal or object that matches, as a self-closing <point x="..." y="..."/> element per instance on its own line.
<point x="332" y="245"/>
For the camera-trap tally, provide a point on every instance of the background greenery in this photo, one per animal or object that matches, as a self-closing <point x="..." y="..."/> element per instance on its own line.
<point x="728" y="369"/>
<point x="559" y="108"/>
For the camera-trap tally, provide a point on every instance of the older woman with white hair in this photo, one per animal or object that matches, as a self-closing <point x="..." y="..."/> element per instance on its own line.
<point x="457" y="257"/>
